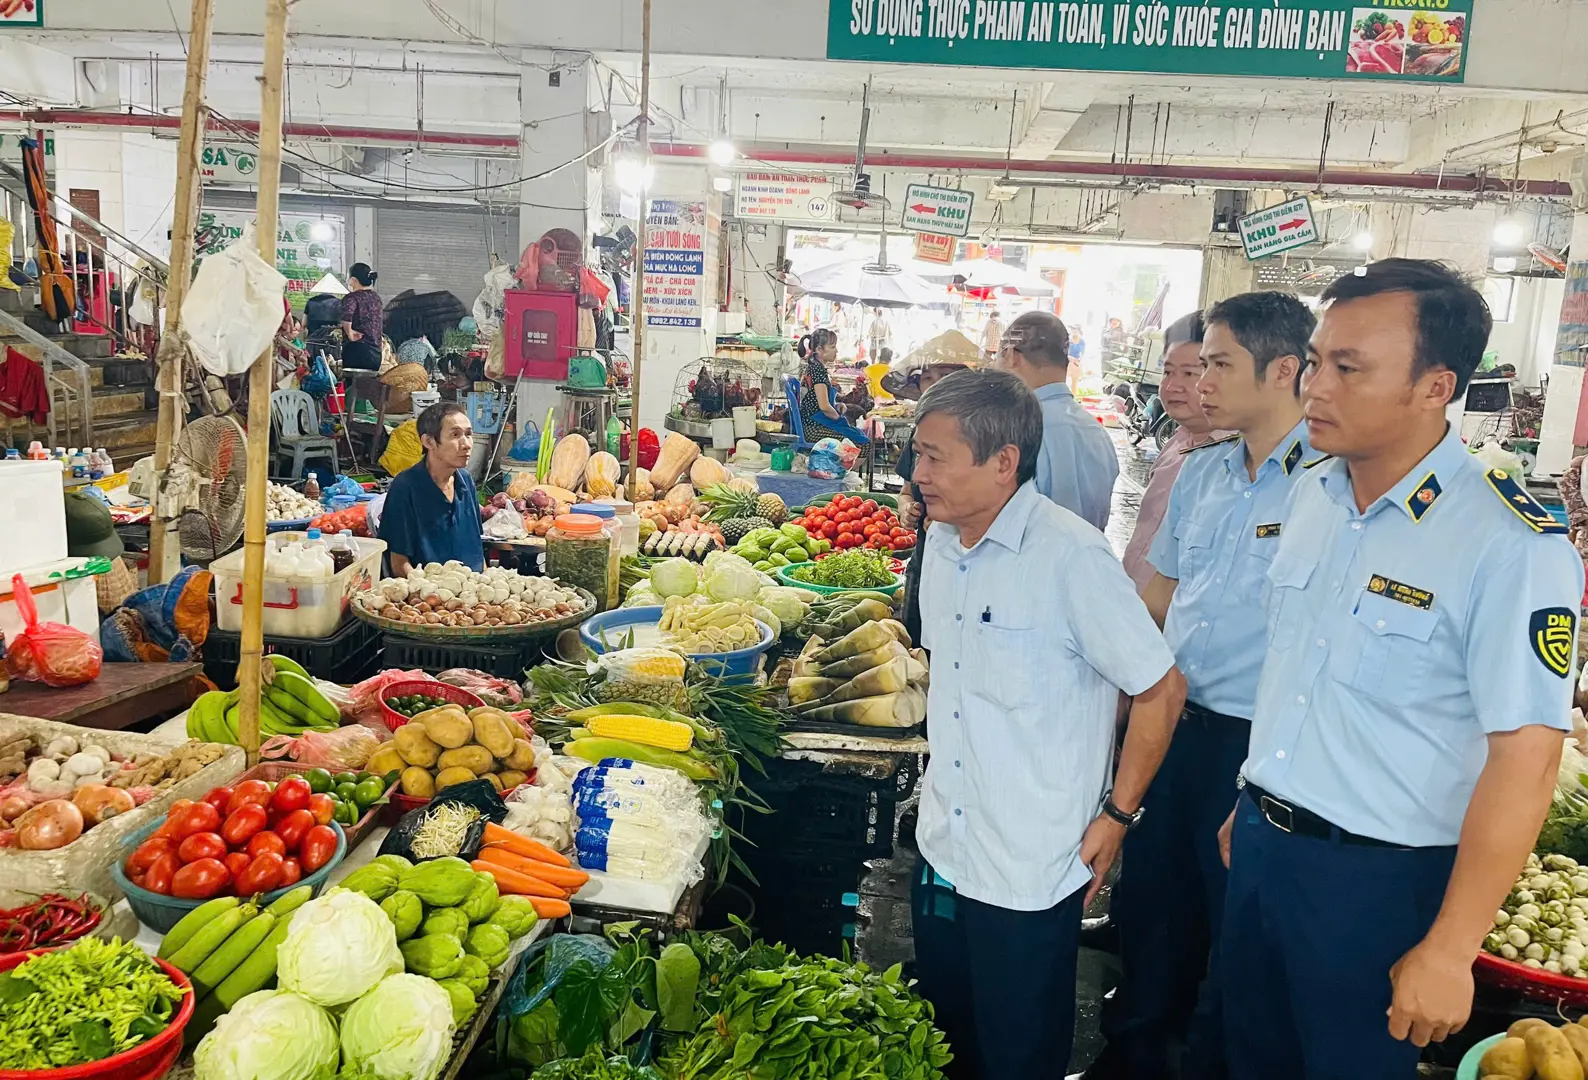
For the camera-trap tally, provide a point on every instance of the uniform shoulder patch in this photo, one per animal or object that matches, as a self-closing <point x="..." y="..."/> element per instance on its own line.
<point x="1315" y="462"/>
<point x="1215" y="442"/>
<point x="1553" y="634"/>
<point x="1292" y="457"/>
<point x="1523" y="505"/>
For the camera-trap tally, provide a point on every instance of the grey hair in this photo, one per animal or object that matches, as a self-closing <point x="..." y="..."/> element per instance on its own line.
<point x="994" y="410"/>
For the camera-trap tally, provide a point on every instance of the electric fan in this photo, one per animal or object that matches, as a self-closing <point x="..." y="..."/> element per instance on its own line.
<point x="205" y="483"/>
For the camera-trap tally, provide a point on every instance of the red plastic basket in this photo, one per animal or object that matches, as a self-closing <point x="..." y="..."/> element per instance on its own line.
<point x="146" y="1061"/>
<point x="428" y="687"/>
<point x="1535" y="983"/>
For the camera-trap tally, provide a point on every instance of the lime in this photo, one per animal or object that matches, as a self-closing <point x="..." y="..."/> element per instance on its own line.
<point x="319" y="781"/>
<point x="368" y="792"/>
<point x="346" y="813"/>
<point x="348" y="793"/>
<point x="346" y="778"/>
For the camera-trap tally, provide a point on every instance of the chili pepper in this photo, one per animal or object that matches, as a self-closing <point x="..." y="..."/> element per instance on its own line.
<point x="53" y="919"/>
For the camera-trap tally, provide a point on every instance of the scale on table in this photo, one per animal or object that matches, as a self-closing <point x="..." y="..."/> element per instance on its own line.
<point x="586" y="372"/>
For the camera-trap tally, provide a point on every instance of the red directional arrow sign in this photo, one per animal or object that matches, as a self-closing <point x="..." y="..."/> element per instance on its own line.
<point x="1293" y="223"/>
<point x="922" y="208"/>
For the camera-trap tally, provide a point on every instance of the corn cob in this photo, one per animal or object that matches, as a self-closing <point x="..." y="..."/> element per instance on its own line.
<point x="646" y="730"/>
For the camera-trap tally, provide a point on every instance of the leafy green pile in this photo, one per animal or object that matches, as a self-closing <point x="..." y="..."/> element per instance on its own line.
<point x="593" y="1066"/>
<point x="858" y="568"/>
<point x="1565" y="830"/>
<point x="82" y="1004"/>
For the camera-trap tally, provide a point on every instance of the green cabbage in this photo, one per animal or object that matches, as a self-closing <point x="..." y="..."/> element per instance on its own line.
<point x="674" y="577"/>
<point x="789" y="605"/>
<point x="401" y="1030"/>
<point x="729" y="577"/>
<point x="337" y="948"/>
<point x="643" y="594"/>
<point x="269" y="1035"/>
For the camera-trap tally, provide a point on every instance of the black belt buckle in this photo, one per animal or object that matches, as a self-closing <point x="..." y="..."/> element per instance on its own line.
<point x="1268" y="805"/>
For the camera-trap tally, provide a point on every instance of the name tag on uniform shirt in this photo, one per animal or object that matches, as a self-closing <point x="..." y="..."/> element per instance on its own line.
<point x="1409" y="595"/>
<point x="1266" y="531"/>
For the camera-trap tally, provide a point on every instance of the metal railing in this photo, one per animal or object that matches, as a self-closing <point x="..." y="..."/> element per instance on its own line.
<point x="68" y="380"/>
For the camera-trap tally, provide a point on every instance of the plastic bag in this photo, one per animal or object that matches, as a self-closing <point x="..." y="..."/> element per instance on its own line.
<point x="647" y="674"/>
<point x="505" y="524"/>
<point x="7" y="232"/>
<point x="344" y="750"/>
<point x="490" y="307"/>
<point x="501" y="693"/>
<point x="51" y="653"/>
<point x="234" y="307"/>
<point x="480" y="795"/>
<point x="363" y="700"/>
<point x="402" y="449"/>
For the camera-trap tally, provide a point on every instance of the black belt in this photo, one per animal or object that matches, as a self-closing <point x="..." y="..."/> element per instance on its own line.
<point x="1213" y="719"/>
<point x="1289" y="818"/>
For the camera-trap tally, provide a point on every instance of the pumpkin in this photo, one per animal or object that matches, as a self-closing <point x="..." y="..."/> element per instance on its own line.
<point x="677" y="454"/>
<point x="706" y="471"/>
<point x="680" y="495"/>
<point x="641" y="490"/>
<point x="601" y="475"/>
<point x="568" y="461"/>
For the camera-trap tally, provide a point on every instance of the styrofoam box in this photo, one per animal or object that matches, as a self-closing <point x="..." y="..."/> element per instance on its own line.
<point x="32" y="515"/>
<point x="301" y="607"/>
<point x="73" y="601"/>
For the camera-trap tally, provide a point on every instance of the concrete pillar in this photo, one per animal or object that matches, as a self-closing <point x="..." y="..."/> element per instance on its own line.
<point x="1226" y="272"/>
<point x="1565" y="410"/>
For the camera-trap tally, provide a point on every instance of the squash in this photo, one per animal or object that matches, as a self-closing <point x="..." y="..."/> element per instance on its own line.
<point x="558" y="494"/>
<point x="680" y="495"/>
<point x="568" y="461"/>
<point x="641" y="489"/>
<point x="677" y="454"/>
<point x="601" y="475"/>
<point x="744" y="485"/>
<point x="706" y="471"/>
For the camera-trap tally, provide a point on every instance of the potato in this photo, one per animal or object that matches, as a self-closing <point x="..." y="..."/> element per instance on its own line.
<point x="493" y="730"/>
<point x="496" y="782"/>
<point x="1577" y="1037"/>
<point x="457" y="775"/>
<point x="521" y="758"/>
<point x="1552" y="1055"/>
<point x="511" y="778"/>
<point x="449" y="726"/>
<point x="389" y="759"/>
<point x="1518" y="1029"/>
<point x="415" y="746"/>
<point x="477" y="759"/>
<point x="418" y="782"/>
<point x="1508" y="1058"/>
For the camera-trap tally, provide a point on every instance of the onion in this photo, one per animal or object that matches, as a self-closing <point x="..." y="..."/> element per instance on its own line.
<point x="13" y="807"/>
<point x="49" y="825"/>
<point x="99" y="803"/>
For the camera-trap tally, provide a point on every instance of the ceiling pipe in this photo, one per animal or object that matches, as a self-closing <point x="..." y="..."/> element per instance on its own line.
<point x="1300" y="179"/>
<point x="72" y="118"/>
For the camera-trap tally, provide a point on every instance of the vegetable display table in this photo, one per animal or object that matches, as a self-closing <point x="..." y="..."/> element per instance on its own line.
<point x="123" y="695"/>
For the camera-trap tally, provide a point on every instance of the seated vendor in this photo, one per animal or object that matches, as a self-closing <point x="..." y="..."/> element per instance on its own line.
<point x="432" y="513"/>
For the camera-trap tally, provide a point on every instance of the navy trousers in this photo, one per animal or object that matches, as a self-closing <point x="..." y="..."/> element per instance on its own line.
<point x="1169" y="902"/>
<point x="1001" y="982"/>
<point x="1311" y="930"/>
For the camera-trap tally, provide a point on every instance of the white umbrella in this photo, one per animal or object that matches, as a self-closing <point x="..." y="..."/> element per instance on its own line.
<point x="992" y="274"/>
<point x="848" y="282"/>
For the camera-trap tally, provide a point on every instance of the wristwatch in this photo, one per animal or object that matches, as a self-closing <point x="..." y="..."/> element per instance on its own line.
<point x="1130" y="821"/>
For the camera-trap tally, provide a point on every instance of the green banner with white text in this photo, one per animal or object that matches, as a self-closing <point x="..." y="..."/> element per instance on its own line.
<point x="1415" y="40"/>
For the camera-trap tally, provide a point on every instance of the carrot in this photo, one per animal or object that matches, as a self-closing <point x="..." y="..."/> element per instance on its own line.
<point x="519" y="884"/>
<point x="551" y="909"/>
<point x="518" y="844"/>
<point x="562" y="876"/>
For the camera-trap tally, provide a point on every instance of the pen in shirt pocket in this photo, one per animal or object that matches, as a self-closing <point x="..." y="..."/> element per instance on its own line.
<point x="986" y="616"/>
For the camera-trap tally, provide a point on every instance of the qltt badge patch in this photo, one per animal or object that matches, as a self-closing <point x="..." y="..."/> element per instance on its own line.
<point x="1553" y="633"/>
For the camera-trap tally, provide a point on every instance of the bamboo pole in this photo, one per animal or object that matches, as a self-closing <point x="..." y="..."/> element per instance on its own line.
<point x="261" y="378"/>
<point x="184" y="223"/>
<point x="639" y="248"/>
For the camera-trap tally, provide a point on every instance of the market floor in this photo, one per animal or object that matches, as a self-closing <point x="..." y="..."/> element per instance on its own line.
<point x="882" y="928"/>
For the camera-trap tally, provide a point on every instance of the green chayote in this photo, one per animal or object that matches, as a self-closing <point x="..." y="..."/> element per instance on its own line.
<point x="435" y="956"/>
<point x="482" y="899"/>
<point x="397" y="863"/>
<point x="376" y="881"/>
<point x="516" y="915"/>
<point x="446" y="920"/>
<point x="463" y="1004"/>
<point x="474" y="973"/>
<point x="405" y="912"/>
<point x="439" y="882"/>
<point x="489" y="942"/>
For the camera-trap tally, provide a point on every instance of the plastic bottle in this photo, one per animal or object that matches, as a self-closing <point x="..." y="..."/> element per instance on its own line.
<point x="316" y="556"/>
<point x="311" y="488"/>
<point x="36" y="451"/>
<point x="344" y="552"/>
<point x="285" y="560"/>
<point x="79" y="465"/>
<point x="12" y="455"/>
<point x="614" y="436"/>
<point x="107" y="461"/>
<point x="96" y="466"/>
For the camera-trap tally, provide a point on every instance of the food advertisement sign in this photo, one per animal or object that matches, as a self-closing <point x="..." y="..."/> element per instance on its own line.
<point x="769" y="196"/>
<point x="932" y="248"/>
<point x="19" y="13"/>
<point x="1407" y="40"/>
<point x="1278" y="228"/>
<point x="675" y="264"/>
<point x="307" y="247"/>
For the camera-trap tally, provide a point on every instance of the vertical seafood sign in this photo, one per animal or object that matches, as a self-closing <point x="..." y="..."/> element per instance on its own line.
<point x="675" y="264"/>
<point x="1402" y="40"/>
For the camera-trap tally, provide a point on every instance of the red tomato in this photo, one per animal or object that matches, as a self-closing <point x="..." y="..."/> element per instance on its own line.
<point x="147" y="852"/>
<point x="171" y="816"/>
<point x="200" y="880"/>
<point x="262" y="875"/>
<point x="870" y="531"/>
<point x="902" y="543"/>
<point x="197" y="818"/>
<point x="242" y="823"/>
<point x="869" y="506"/>
<point x="203" y="845"/>
<point x="294" y="826"/>
<point x="262" y="842"/>
<point x="853" y="502"/>
<point x="218" y="798"/>
<point x="249" y="791"/>
<point x="319" y="844"/>
<point x="237" y="862"/>
<point x="322" y="807"/>
<point x="162" y="874"/>
<point x="291" y="873"/>
<point x="829" y="530"/>
<point x="291" y="794"/>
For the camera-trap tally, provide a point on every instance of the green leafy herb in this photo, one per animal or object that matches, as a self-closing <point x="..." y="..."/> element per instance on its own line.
<point x="860" y="568"/>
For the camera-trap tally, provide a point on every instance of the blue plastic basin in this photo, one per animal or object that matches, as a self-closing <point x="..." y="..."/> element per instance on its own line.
<point x="737" y="666"/>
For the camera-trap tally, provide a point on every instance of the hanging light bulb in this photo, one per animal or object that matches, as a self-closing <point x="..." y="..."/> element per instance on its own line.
<point x="722" y="153"/>
<point x="1508" y="233"/>
<point x="1362" y="241"/>
<point x="634" y="176"/>
<point x="321" y="232"/>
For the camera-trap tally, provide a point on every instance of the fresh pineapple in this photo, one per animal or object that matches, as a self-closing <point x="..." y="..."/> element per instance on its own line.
<point x="772" y="508"/>
<point x="727" y="504"/>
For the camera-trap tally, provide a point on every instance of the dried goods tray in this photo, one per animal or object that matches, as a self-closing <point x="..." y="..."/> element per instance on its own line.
<point x="1535" y="983"/>
<point x="522" y="632"/>
<point x="274" y="771"/>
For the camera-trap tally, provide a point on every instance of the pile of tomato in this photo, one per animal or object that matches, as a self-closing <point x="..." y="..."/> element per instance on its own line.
<point x="253" y="838"/>
<point x="850" y="522"/>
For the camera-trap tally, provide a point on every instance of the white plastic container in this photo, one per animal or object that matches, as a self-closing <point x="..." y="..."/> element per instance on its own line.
<point x="722" y="434"/>
<point x="32" y="515"/>
<point x="302" y="604"/>
<point x="744" y="421"/>
<point x="73" y="601"/>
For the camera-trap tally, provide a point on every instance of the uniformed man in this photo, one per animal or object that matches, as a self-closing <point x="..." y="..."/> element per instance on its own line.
<point x="1211" y="555"/>
<point x="1422" y="619"/>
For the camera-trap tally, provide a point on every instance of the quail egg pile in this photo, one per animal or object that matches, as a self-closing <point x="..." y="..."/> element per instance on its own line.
<point x="284" y="504"/>
<point x="1544" y="923"/>
<point x="451" y="594"/>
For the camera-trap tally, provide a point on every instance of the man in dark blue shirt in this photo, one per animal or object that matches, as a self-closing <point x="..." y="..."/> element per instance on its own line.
<point x="432" y="512"/>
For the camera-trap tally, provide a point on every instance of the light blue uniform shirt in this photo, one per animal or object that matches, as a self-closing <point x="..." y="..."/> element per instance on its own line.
<point x="1217" y="538"/>
<point x="1033" y="633"/>
<point x="1078" y="465"/>
<point x="1400" y="638"/>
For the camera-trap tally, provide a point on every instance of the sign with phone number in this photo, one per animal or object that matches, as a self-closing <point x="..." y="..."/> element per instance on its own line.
<point x="1413" y="40"/>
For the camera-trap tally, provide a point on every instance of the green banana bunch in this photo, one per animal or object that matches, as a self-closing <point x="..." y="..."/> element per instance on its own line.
<point x="290" y="704"/>
<point x="228" y="947"/>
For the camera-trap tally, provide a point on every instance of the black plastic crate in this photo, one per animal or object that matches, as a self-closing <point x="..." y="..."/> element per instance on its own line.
<point x="507" y="661"/>
<point x="822" y="810"/>
<point x="347" y="656"/>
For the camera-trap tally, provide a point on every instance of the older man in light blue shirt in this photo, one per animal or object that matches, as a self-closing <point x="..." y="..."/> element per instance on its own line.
<point x="1422" y="617"/>
<point x="1035" y="630"/>
<point x="1077" y="465"/>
